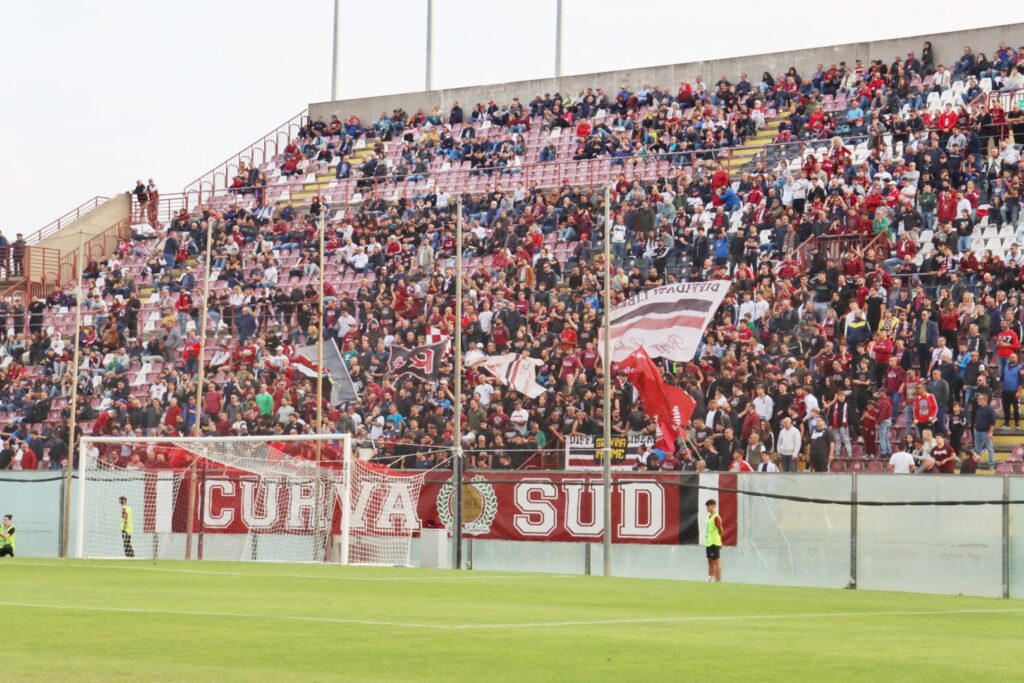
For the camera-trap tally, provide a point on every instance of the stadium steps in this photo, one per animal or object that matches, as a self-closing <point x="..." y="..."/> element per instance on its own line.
<point x="753" y="146"/>
<point x="310" y="190"/>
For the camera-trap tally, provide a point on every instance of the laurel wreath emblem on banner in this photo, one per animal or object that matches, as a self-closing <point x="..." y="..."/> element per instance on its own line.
<point x="479" y="505"/>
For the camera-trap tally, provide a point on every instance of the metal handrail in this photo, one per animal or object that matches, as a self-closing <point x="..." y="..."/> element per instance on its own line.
<point x="207" y="181"/>
<point x="55" y="226"/>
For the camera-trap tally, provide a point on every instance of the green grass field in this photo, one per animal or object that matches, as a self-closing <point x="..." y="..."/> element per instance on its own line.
<point x="176" y="621"/>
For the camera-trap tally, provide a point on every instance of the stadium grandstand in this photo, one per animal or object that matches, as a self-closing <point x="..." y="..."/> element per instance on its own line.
<point x="866" y="211"/>
<point x="511" y="381"/>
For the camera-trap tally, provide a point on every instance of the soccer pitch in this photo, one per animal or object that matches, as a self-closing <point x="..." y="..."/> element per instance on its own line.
<point x="174" y="621"/>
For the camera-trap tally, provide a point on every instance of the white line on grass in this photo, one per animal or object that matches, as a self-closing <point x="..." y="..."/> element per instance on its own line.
<point x="228" y="615"/>
<point x="208" y="572"/>
<point x="539" y="624"/>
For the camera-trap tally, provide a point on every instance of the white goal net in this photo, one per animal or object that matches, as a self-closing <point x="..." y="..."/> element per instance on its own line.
<point x="241" y="498"/>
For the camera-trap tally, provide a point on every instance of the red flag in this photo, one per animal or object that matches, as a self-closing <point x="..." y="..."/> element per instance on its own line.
<point x="670" y="405"/>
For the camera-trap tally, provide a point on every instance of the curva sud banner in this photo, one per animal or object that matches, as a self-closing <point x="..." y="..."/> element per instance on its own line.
<point x="660" y="508"/>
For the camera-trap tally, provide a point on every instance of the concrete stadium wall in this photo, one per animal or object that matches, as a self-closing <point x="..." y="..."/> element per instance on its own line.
<point x="939" y="549"/>
<point x="34" y="499"/>
<point x="65" y="241"/>
<point x="947" y="47"/>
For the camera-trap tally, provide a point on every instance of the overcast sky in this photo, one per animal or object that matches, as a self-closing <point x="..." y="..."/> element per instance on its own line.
<point x="99" y="93"/>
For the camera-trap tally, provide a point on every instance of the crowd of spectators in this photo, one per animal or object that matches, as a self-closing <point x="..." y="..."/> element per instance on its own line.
<point x="898" y="347"/>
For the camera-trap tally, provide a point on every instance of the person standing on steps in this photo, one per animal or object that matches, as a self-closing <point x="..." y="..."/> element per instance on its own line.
<point x="1010" y="383"/>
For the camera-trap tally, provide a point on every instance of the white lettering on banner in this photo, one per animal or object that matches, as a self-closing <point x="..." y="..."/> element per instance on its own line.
<point x="574" y="523"/>
<point x="221" y="517"/>
<point x="164" y="508"/>
<point x="250" y="504"/>
<point x="537" y="516"/>
<point x="358" y="520"/>
<point x="302" y="498"/>
<point x="681" y="288"/>
<point x="398" y="507"/>
<point x="637" y="497"/>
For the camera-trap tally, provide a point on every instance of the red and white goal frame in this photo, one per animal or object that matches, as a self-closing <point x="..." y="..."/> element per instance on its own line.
<point x="243" y="498"/>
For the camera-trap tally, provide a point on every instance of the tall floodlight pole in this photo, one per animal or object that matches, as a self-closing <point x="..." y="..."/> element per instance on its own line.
<point x="606" y="469"/>
<point x="558" y="38"/>
<point x="320" y="372"/>
<point x="334" y="52"/>
<point x="73" y="419"/>
<point x="457" y="423"/>
<point x="320" y="336"/>
<point x="430" y="46"/>
<point x="197" y="429"/>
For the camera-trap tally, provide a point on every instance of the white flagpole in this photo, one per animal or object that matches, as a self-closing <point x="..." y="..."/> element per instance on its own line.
<point x="457" y="418"/>
<point x="606" y="470"/>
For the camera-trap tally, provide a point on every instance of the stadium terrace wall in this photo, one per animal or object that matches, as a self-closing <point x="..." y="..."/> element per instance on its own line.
<point x="781" y="540"/>
<point x="947" y="47"/>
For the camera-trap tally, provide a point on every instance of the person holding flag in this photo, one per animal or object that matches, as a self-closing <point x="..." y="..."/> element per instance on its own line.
<point x="670" y="405"/>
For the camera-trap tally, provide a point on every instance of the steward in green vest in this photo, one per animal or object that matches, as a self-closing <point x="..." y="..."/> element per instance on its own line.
<point x="6" y="537"/>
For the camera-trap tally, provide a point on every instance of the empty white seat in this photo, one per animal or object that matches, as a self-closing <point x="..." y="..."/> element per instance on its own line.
<point x="1005" y="232"/>
<point x="926" y="236"/>
<point x="990" y="232"/>
<point x="994" y="244"/>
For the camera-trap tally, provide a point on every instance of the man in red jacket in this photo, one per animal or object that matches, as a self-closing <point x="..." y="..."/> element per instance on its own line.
<point x="947" y="120"/>
<point x="1007" y="343"/>
<point x="892" y="382"/>
<point x="925" y="409"/>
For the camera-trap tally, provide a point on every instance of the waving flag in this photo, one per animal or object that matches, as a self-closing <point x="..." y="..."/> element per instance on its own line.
<point x="515" y="371"/>
<point x="343" y="389"/>
<point x="423" y="362"/>
<point x="670" y="405"/>
<point x="666" y="321"/>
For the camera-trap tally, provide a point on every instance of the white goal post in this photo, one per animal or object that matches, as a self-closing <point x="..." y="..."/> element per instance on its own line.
<point x="249" y="498"/>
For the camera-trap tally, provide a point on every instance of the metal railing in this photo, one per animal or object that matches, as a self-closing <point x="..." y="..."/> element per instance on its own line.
<point x="55" y="226"/>
<point x="257" y="153"/>
<point x="1005" y="97"/>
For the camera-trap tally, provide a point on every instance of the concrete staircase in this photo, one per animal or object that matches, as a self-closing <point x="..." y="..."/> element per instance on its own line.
<point x="753" y="146"/>
<point x="310" y="190"/>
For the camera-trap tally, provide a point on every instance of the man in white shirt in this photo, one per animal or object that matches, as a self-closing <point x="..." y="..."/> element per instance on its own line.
<point x="763" y="404"/>
<point x="766" y="464"/>
<point x="483" y="394"/>
<point x="748" y="307"/>
<point x="520" y="419"/>
<point x="811" y="403"/>
<point x="902" y="462"/>
<point x="360" y="260"/>
<point x="788" y="445"/>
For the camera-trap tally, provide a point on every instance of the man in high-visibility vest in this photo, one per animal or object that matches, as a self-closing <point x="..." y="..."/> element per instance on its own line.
<point x="713" y="542"/>
<point x="127" y="527"/>
<point x="6" y="537"/>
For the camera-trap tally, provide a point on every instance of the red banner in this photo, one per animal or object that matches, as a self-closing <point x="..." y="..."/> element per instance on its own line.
<point x="661" y="508"/>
